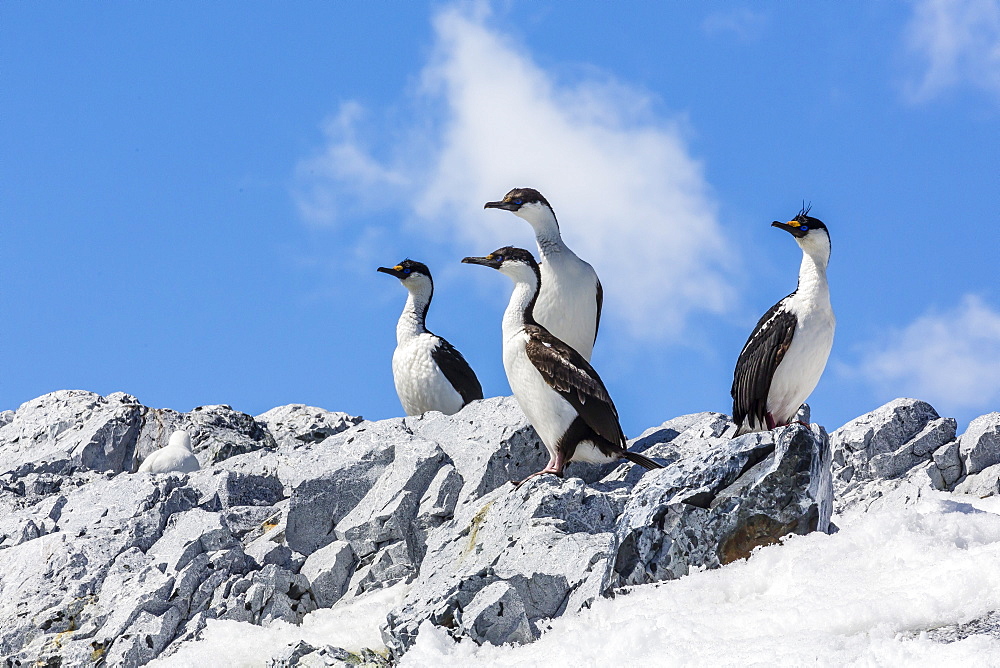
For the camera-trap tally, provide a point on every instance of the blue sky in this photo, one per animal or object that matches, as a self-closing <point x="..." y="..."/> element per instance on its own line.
<point x="194" y="198"/>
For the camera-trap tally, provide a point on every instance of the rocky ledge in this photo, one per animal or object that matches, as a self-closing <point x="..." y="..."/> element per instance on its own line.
<point x="300" y="508"/>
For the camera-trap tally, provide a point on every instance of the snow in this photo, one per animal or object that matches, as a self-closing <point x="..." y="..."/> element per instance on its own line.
<point x="853" y="598"/>
<point x="860" y="597"/>
<point x="230" y="644"/>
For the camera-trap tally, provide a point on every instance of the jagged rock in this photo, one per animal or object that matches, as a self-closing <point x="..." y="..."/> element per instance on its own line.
<point x="217" y="432"/>
<point x="116" y="432"/>
<point x="243" y="520"/>
<point x="496" y="615"/>
<point x="265" y="595"/>
<point x="987" y="625"/>
<point x="331" y="507"/>
<point x="336" y="656"/>
<point x="489" y="442"/>
<point x="96" y="432"/>
<point x="875" y="453"/>
<point x="221" y="489"/>
<point x="297" y="424"/>
<point x="65" y="593"/>
<point x="328" y="570"/>
<point x="290" y="655"/>
<point x="761" y="487"/>
<point x="948" y="462"/>
<point x="980" y="444"/>
<point x="548" y="540"/>
<point x="982" y="484"/>
<point x="553" y="546"/>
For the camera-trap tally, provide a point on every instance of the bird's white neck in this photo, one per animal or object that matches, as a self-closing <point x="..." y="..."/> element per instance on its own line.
<point x="546" y="227"/>
<point x="522" y="301"/>
<point x="412" y="322"/>
<point x="812" y="276"/>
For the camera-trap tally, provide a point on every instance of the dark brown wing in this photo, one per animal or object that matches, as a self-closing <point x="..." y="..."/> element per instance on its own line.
<point x="600" y="306"/>
<point x="569" y="374"/>
<point x="457" y="371"/>
<point x="760" y="357"/>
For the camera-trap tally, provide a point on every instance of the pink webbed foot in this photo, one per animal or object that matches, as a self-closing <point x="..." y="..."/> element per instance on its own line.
<point x="555" y="467"/>
<point x="547" y="469"/>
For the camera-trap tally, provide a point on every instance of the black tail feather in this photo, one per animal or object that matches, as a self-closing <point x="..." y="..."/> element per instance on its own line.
<point x="641" y="460"/>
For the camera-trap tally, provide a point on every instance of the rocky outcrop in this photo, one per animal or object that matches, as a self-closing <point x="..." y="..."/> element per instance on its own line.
<point x="516" y="557"/>
<point x="898" y="452"/>
<point x="300" y="508"/>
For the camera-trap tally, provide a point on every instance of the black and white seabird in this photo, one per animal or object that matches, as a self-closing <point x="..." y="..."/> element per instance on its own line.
<point x="785" y="355"/>
<point x="570" y="303"/>
<point x="430" y="374"/>
<point x="563" y="397"/>
<point x="175" y="457"/>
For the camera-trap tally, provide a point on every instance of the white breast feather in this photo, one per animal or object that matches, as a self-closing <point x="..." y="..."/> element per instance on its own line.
<point x="567" y="304"/>
<point x="802" y="366"/>
<point x="420" y="384"/>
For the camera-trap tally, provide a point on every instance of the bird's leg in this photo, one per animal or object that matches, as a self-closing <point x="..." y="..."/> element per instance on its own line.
<point x="558" y="463"/>
<point x="804" y="424"/>
<point x="769" y="419"/>
<point x="555" y="467"/>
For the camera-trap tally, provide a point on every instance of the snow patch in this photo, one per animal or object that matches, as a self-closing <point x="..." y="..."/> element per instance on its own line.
<point x="228" y="644"/>
<point x="862" y="595"/>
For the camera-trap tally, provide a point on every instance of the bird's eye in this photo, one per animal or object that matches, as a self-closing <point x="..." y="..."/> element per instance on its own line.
<point x="498" y="258"/>
<point x="804" y="228"/>
<point x="518" y="202"/>
<point x="406" y="271"/>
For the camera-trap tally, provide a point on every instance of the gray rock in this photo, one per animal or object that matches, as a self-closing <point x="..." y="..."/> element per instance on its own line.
<point x="328" y="571"/>
<point x="875" y="453"/>
<point x="550" y="541"/>
<point x="221" y="489"/>
<point x="979" y="446"/>
<point x="263" y="596"/>
<point x="948" y="463"/>
<point x="290" y="655"/>
<point x="496" y="615"/>
<point x="982" y="484"/>
<point x="490" y="443"/>
<point x="115" y="432"/>
<point x="297" y="424"/>
<point x="243" y="520"/>
<point x="217" y="432"/>
<point x="553" y="546"/>
<point x="743" y="500"/>
<point x="336" y="656"/>
<point x="304" y="508"/>
<point x="90" y="430"/>
<point x="988" y="625"/>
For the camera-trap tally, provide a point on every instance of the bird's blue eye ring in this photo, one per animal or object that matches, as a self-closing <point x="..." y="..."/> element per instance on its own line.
<point x="406" y="271"/>
<point x="498" y="258"/>
<point x="804" y="228"/>
<point x="518" y="202"/>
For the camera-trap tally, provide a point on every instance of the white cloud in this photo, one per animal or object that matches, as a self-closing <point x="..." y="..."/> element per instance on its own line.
<point x="628" y="194"/>
<point x="950" y="358"/>
<point x="957" y="42"/>
<point x="742" y="23"/>
<point x="345" y="165"/>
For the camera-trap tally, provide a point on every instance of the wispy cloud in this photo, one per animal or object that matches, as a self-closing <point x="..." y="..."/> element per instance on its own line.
<point x="957" y="42"/>
<point x="630" y="197"/>
<point x="742" y="23"/>
<point x="326" y="182"/>
<point x="950" y="358"/>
